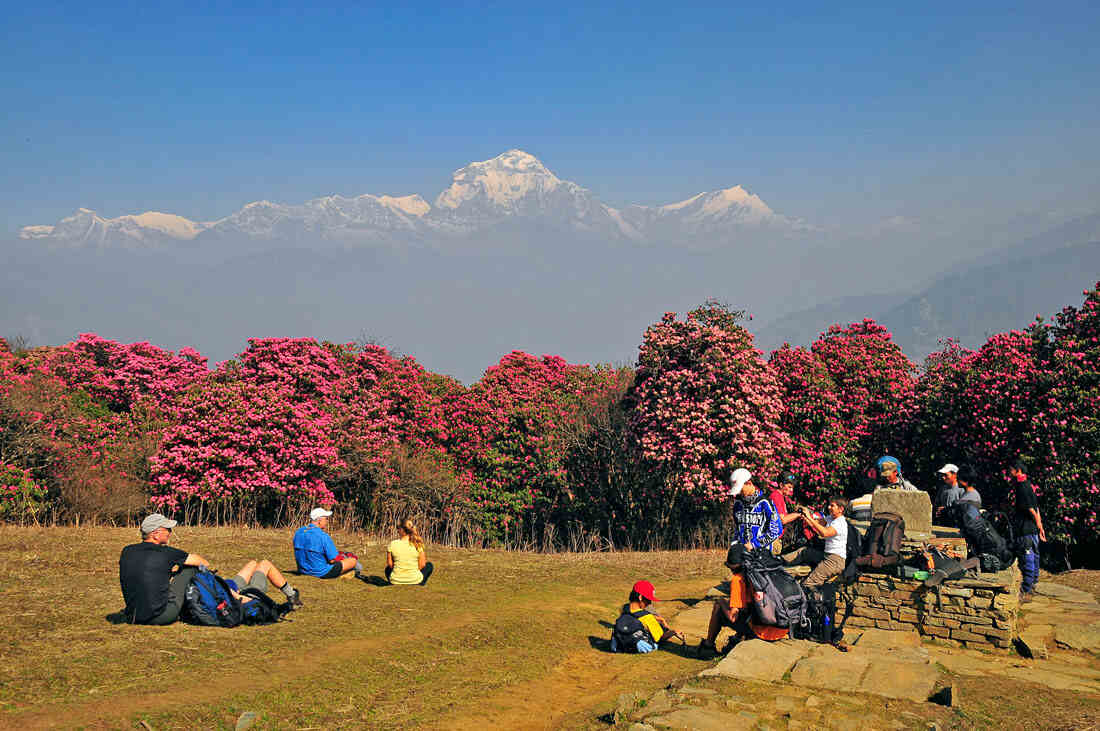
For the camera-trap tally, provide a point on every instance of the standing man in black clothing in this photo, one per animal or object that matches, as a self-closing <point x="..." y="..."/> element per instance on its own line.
<point x="1029" y="530"/>
<point x="154" y="575"/>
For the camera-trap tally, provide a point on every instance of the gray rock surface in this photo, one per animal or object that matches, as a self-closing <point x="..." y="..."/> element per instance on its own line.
<point x="908" y="680"/>
<point x="913" y="505"/>
<point x="760" y="660"/>
<point x="1064" y="593"/>
<point x="840" y="671"/>
<point x="697" y="719"/>
<point x="1078" y="637"/>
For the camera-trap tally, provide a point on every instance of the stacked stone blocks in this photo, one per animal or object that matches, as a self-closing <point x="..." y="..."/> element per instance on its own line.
<point x="969" y="613"/>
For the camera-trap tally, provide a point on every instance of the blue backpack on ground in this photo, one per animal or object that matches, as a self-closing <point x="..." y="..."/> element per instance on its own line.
<point x="210" y="602"/>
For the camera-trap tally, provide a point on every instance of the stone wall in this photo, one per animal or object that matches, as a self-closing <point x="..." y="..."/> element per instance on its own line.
<point x="969" y="612"/>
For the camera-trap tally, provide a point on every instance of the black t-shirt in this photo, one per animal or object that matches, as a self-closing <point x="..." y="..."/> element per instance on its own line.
<point x="1025" y="500"/>
<point x="144" y="570"/>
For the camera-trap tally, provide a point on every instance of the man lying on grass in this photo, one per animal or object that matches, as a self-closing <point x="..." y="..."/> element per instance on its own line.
<point x="154" y="576"/>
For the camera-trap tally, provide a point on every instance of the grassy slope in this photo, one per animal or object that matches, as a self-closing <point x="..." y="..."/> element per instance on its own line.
<point x="494" y="636"/>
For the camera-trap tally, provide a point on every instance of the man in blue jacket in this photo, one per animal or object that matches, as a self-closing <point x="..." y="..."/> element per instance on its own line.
<point x="757" y="521"/>
<point x="316" y="553"/>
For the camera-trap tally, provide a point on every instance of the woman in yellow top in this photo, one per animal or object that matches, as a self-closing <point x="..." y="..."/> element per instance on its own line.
<point x="405" y="560"/>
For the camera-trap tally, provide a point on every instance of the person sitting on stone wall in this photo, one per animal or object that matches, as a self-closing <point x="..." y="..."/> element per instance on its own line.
<point x="829" y="561"/>
<point x="889" y="475"/>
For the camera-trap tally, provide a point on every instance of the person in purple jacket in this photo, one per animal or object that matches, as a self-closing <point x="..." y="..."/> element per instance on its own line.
<point x="757" y="521"/>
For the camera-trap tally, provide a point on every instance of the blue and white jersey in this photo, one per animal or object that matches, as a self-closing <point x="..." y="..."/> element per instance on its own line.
<point x="757" y="524"/>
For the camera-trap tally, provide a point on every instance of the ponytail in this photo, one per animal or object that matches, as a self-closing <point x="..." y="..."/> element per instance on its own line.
<point x="414" y="537"/>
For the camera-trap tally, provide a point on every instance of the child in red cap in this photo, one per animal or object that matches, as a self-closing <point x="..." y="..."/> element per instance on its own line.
<point x="638" y="629"/>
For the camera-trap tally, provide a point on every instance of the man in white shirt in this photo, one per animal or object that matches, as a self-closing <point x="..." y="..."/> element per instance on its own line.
<point x="829" y="562"/>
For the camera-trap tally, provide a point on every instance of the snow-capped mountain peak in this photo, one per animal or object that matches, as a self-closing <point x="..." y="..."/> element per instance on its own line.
<point x="499" y="182"/>
<point x="514" y="189"/>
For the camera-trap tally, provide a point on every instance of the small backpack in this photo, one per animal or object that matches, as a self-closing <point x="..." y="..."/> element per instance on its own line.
<point x="628" y="631"/>
<point x="779" y="598"/>
<point x="210" y="602"/>
<point x="882" y="543"/>
<point x="262" y="609"/>
<point x="993" y="552"/>
<point x="820" y="617"/>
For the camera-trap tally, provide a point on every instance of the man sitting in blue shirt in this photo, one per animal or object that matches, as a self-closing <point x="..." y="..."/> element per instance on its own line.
<point x="316" y="553"/>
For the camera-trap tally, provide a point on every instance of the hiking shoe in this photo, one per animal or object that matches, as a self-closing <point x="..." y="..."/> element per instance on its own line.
<point x="1026" y="596"/>
<point x="705" y="651"/>
<point x="295" y="601"/>
<point x="730" y="644"/>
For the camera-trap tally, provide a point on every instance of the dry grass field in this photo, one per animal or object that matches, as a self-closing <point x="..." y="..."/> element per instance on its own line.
<point x="497" y="639"/>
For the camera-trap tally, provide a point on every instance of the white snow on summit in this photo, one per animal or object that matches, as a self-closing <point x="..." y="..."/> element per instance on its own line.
<point x="513" y="187"/>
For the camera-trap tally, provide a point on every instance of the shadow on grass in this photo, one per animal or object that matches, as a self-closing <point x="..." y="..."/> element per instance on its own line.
<point x="375" y="580"/>
<point x="603" y="644"/>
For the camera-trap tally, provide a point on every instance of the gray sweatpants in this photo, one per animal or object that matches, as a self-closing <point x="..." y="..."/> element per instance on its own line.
<point x="177" y="588"/>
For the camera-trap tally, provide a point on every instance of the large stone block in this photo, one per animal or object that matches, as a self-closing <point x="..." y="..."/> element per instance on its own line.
<point x="913" y="505"/>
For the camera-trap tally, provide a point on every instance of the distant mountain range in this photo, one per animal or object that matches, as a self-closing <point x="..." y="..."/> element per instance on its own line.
<point x="512" y="188"/>
<point x="1001" y="291"/>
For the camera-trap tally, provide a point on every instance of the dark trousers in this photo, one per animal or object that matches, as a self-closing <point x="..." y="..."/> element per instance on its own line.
<point x="1027" y="550"/>
<point x="177" y="588"/>
<point x="426" y="572"/>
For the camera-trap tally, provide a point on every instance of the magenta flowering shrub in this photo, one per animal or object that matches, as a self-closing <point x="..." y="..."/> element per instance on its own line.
<point x="511" y="431"/>
<point x="824" y="454"/>
<point x="1065" y="438"/>
<point x="118" y="374"/>
<point x="21" y="497"/>
<point x="704" y="403"/>
<point x="244" y="448"/>
<point x="977" y="408"/>
<point x="875" y="384"/>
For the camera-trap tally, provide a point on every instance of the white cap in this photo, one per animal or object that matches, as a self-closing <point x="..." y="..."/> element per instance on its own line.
<point x="155" y="521"/>
<point x="319" y="513"/>
<point x="738" y="478"/>
<point x="948" y="468"/>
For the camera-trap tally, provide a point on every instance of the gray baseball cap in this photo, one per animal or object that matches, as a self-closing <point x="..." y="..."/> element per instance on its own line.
<point x="154" y="521"/>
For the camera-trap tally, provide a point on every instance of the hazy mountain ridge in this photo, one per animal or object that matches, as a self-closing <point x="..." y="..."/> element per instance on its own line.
<point x="970" y="304"/>
<point x="514" y="186"/>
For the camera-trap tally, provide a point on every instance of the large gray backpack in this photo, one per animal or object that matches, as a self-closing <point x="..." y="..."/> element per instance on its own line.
<point x="783" y="603"/>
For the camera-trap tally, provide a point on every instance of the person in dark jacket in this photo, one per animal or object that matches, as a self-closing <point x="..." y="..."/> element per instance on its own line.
<point x="756" y="520"/>
<point x="1029" y="530"/>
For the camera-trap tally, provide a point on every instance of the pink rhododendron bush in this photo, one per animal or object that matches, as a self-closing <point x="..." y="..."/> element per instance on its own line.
<point x="704" y="403"/>
<point x="540" y="451"/>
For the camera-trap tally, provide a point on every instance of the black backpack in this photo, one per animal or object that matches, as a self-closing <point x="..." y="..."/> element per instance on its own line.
<point x="983" y="540"/>
<point x="783" y="602"/>
<point x="882" y="542"/>
<point x="820" y="616"/>
<point x="628" y="631"/>
<point x="262" y="609"/>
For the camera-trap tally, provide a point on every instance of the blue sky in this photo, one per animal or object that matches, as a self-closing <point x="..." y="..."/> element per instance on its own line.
<point x="959" y="114"/>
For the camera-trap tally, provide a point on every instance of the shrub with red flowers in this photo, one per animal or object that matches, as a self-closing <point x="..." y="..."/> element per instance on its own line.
<point x="1065" y="438"/>
<point x="21" y="498"/>
<point x="703" y="403"/>
<point x="824" y="454"/>
<point x="874" y="384"/>
<point x="118" y="374"/>
<point x="240" y="450"/>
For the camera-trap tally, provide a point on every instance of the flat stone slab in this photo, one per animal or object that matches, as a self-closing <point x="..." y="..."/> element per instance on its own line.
<point x="1064" y="593"/>
<point x="887" y="639"/>
<point x="760" y="660"/>
<point x="697" y="719"/>
<point x="893" y="679"/>
<point x="840" y="671"/>
<point x="1078" y="637"/>
<point x="694" y="621"/>
<point x="913" y="505"/>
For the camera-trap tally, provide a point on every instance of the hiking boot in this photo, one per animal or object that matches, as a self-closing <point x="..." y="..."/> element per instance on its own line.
<point x="1026" y="596"/>
<point x="705" y="650"/>
<point x="295" y="601"/>
<point x="730" y="644"/>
